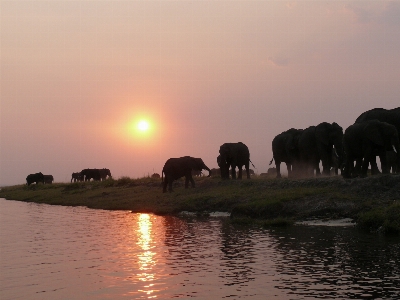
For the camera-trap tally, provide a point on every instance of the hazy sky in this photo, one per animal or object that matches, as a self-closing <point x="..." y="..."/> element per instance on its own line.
<point x="76" y="76"/>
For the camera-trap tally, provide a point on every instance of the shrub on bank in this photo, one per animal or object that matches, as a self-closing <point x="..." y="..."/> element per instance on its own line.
<point x="385" y="220"/>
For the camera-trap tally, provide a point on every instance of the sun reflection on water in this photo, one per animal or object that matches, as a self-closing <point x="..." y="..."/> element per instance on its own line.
<point x="146" y="258"/>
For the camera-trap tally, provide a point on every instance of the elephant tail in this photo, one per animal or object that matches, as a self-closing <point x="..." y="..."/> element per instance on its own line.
<point x="271" y="161"/>
<point x="162" y="175"/>
<point x="252" y="164"/>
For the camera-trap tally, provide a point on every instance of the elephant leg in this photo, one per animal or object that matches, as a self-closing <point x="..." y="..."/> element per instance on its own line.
<point x="186" y="182"/>
<point x="356" y="170"/>
<point x="326" y="168"/>
<point x="317" y="170"/>
<point x="191" y="181"/>
<point x="233" y="172"/>
<point x="348" y="167"/>
<point x="384" y="165"/>
<point x="240" y="173"/>
<point x="365" y="163"/>
<point x="248" y="172"/>
<point x="374" y="166"/>
<point x="170" y="184"/>
<point x="278" y="169"/>
<point x="289" y="169"/>
<point x="165" y="183"/>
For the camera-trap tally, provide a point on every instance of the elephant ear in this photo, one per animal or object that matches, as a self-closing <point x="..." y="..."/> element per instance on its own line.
<point x="224" y="150"/>
<point x="373" y="134"/>
<point x="322" y="135"/>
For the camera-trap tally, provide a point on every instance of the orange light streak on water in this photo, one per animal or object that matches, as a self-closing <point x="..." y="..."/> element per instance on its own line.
<point x="146" y="258"/>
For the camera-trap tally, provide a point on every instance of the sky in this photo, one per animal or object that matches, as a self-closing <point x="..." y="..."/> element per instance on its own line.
<point x="77" y="76"/>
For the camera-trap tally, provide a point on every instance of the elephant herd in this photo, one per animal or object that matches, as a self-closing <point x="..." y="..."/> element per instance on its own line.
<point x="88" y="174"/>
<point x="39" y="177"/>
<point x="374" y="133"/>
<point x="84" y="175"/>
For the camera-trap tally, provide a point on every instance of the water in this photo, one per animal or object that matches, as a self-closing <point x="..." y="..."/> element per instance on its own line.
<point x="55" y="252"/>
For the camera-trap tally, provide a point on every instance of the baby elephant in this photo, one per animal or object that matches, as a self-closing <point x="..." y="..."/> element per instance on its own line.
<point x="48" y="179"/>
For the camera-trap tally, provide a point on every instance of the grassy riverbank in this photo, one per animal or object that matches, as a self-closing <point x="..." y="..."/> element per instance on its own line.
<point x="373" y="202"/>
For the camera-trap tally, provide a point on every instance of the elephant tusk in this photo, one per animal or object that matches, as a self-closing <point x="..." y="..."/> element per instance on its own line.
<point x="334" y="149"/>
<point x="394" y="149"/>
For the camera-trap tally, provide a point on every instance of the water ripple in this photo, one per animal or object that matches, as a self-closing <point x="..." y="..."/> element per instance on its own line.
<point x="50" y="252"/>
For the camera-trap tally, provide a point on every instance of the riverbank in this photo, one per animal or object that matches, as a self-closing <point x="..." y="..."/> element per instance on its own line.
<point x="373" y="202"/>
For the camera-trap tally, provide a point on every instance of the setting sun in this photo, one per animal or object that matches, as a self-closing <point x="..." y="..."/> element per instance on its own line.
<point x="143" y="125"/>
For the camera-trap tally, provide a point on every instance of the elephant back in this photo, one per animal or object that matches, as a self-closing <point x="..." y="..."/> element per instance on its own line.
<point x="391" y="116"/>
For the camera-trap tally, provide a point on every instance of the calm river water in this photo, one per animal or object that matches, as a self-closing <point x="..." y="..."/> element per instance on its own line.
<point x="56" y="252"/>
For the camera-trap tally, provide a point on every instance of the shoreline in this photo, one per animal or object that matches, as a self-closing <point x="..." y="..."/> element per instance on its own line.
<point x="372" y="202"/>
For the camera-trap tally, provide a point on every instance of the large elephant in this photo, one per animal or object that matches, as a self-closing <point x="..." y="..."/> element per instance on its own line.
<point x="285" y="149"/>
<point x="233" y="155"/>
<point x="88" y="174"/>
<point x="104" y="173"/>
<point x="76" y="176"/>
<point x="316" y="143"/>
<point x="364" y="141"/>
<point x="48" y="179"/>
<point x="176" y="168"/>
<point x="391" y="116"/>
<point x="37" y="177"/>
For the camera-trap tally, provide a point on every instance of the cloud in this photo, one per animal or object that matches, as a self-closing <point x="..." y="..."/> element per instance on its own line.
<point x="360" y="14"/>
<point x="390" y="14"/>
<point x="387" y="13"/>
<point x="278" y="61"/>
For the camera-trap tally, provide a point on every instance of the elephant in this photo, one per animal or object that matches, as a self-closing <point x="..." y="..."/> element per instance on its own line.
<point x="37" y="177"/>
<point x="391" y="116"/>
<point x="364" y="141"/>
<point x="155" y="175"/>
<point x="176" y="168"/>
<point x="316" y="143"/>
<point x="76" y="177"/>
<point x="88" y="174"/>
<point x="48" y="179"/>
<point x="285" y="149"/>
<point x="104" y="173"/>
<point x="233" y="155"/>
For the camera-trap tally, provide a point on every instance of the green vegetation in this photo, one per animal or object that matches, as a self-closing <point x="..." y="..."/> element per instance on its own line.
<point x="373" y="202"/>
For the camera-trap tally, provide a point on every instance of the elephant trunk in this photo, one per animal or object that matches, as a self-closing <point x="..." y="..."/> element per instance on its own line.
<point x="208" y="169"/>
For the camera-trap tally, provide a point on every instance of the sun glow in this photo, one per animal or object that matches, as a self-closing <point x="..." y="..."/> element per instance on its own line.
<point x="143" y="125"/>
<point x="141" y="128"/>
